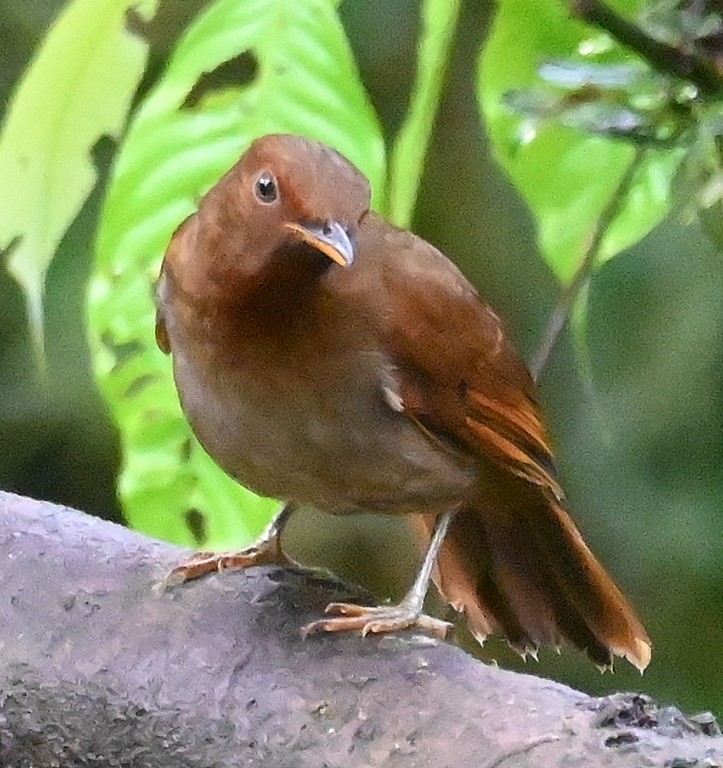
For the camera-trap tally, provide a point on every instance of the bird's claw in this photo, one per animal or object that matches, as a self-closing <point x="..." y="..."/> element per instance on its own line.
<point x="203" y="563"/>
<point x="375" y="619"/>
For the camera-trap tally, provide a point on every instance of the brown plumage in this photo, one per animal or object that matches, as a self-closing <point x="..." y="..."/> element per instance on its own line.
<point x="325" y="357"/>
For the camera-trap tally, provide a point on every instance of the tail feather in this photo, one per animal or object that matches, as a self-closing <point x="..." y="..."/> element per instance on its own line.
<point x="516" y="565"/>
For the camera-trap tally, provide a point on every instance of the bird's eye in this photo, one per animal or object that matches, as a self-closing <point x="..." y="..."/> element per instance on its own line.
<point x="265" y="188"/>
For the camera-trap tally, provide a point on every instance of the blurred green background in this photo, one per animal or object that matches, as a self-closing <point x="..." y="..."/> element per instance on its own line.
<point x="641" y="452"/>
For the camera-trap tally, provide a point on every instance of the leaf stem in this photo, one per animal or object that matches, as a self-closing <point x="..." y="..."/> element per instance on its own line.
<point x="36" y="322"/>
<point x="581" y="278"/>
<point x="439" y="22"/>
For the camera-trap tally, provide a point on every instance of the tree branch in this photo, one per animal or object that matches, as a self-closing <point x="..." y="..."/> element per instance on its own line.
<point x="101" y="667"/>
<point x="697" y="68"/>
<point x="580" y="280"/>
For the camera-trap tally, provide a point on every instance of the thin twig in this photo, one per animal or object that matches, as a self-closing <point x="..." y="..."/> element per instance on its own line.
<point x="580" y="279"/>
<point x="697" y="68"/>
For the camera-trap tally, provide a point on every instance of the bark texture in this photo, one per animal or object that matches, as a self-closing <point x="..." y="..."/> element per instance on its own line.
<point x="100" y="666"/>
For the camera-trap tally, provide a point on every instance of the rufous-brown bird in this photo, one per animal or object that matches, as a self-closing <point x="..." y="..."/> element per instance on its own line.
<point x="325" y="357"/>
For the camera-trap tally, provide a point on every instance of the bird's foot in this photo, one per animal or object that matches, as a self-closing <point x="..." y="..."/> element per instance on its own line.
<point x="203" y="563"/>
<point x="382" y="618"/>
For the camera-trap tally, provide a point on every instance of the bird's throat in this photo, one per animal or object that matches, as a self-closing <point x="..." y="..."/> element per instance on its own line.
<point x="282" y="296"/>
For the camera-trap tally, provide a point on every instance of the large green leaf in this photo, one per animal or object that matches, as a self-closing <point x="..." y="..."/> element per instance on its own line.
<point x="77" y="89"/>
<point x="567" y="177"/>
<point x="304" y="81"/>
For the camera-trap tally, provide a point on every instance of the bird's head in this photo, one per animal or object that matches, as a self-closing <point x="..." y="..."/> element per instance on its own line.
<point x="288" y="195"/>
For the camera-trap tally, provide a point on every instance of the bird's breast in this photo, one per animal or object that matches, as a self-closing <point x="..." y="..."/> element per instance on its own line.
<point x="319" y="426"/>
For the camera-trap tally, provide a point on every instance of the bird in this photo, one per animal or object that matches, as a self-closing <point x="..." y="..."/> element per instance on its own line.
<point x="327" y="358"/>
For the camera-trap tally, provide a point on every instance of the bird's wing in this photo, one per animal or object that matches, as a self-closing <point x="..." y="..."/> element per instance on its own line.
<point x="458" y="375"/>
<point x="513" y="559"/>
<point x="161" y="332"/>
<point x="174" y="249"/>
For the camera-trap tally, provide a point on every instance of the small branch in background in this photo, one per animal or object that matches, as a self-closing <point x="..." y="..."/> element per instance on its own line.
<point x="699" y="69"/>
<point x="581" y="278"/>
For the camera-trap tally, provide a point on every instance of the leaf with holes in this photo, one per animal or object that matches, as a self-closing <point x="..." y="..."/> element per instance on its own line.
<point x="244" y="68"/>
<point x="567" y="177"/>
<point x="77" y="89"/>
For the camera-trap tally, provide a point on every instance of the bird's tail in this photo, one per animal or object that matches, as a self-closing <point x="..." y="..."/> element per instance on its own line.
<point x="516" y="565"/>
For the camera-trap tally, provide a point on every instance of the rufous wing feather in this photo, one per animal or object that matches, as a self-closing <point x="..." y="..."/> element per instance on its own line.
<point x="515" y="564"/>
<point x="513" y="560"/>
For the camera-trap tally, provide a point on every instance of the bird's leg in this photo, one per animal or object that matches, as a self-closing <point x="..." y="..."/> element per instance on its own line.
<point x="392" y="618"/>
<point x="266" y="551"/>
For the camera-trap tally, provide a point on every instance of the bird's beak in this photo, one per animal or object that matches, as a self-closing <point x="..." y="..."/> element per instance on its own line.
<point x="330" y="238"/>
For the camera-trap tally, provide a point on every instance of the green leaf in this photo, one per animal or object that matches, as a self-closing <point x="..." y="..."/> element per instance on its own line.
<point x="583" y="73"/>
<point x="567" y="177"/>
<point x="699" y="184"/>
<point x="77" y="89"/>
<point x="595" y="116"/>
<point x="439" y="21"/>
<point x="303" y="80"/>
